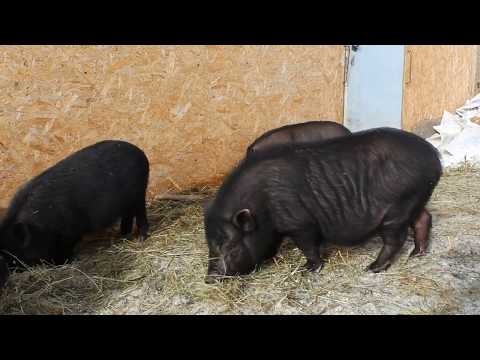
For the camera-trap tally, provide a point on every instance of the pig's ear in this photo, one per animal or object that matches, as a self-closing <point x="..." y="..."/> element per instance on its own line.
<point x="207" y="204"/>
<point x="22" y="234"/>
<point x="244" y="220"/>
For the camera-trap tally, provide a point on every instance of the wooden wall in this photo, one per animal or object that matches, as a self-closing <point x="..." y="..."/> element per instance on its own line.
<point x="436" y="78"/>
<point x="193" y="109"/>
<point x="477" y="71"/>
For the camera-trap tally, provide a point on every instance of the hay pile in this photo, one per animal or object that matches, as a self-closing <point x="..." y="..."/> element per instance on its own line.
<point x="165" y="274"/>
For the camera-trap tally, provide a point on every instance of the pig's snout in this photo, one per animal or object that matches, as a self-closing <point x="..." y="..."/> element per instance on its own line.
<point x="216" y="270"/>
<point x="214" y="276"/>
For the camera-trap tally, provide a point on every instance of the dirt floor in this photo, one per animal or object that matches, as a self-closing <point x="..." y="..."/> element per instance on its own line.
<point x="165" y="274"/>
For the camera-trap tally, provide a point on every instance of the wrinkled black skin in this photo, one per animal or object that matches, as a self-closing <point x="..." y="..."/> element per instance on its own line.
<point x="3" y="271"/>
<point x="302" y="133"/>
<point x="343" y="191"/>
<point x="83" y="193"/>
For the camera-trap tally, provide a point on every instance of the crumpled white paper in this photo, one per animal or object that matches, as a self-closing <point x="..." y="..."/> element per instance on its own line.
<point x="458" y="138"/>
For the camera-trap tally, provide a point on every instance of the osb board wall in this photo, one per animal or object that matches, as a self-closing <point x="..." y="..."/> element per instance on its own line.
<point x="477" y="71"/>
<point x="436" y="78"/>
<point x="193" y="109"/>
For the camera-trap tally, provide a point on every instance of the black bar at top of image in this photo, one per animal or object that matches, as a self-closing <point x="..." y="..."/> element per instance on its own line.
<point x="169" y="28"/>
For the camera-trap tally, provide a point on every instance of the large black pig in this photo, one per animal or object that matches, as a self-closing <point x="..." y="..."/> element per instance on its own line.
<point x="83" y="193"/>
<point x="302" y="133"/>
<point x="343" y="190"/>
<point x="316" y="132"/>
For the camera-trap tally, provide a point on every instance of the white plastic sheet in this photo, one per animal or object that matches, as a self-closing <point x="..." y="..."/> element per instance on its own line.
<point x="458" y="138"/>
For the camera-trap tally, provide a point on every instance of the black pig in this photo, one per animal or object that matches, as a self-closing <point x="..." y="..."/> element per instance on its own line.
<point x="302" y="133"/>
<point x="343" y="190"/>
<point x="83" y="193"/>
<point x="316" y="132"/>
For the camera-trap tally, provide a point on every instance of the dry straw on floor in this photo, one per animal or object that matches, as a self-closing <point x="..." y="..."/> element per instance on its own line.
<point x="165" y="274"/>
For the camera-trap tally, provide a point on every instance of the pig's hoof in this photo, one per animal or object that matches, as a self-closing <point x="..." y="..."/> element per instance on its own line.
<point x="376" y="268"/>
<point x="313" y="266"/>
<point x="418" y="252"/>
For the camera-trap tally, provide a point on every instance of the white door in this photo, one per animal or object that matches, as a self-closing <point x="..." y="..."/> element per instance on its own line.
<point x="374" y="86"/>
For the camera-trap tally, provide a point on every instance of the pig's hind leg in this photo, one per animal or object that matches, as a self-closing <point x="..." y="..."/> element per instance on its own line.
<point x="141" y="219"/>
<point x="393" y="240"/>
<point x="394" y="231"/>
<point x="126" y="226"/>
<point x="421" y="228"/>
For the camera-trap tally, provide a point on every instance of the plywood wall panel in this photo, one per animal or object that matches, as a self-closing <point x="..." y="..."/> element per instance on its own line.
<point x="442" y="78"/>
<point x="193" y="109"/>
<point x="477" y="70"/>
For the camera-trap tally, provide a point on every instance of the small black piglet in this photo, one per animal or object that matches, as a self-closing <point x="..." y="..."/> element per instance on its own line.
<point x="83" y="193"/>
